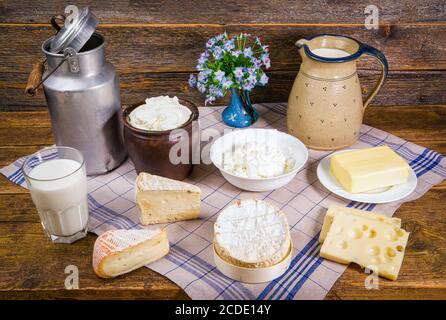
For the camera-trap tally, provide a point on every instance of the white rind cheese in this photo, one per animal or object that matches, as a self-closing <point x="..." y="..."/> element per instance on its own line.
<point x="160" y="114"/>
<point x="370" y="243"/>
<point x="335" y="210"/>
<point x="252" y="234"/>
<point x="163" y="200"/>
<point x="120" y="251"/>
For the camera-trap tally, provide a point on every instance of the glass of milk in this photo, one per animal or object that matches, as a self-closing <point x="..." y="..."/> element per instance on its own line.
<point x="57" y="180"/>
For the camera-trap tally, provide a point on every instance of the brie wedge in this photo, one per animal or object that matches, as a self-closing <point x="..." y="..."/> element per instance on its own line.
<point x="163" y="200"/>
<point x="252" y="234"/>
<point x="120" y="251"/>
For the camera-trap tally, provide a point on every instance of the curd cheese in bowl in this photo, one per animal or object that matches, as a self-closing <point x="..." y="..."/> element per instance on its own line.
<point x="253" y="160"/>
<point x="160" y="114"/>
<point x="258" y="159"/>
<point x="150" y="133"/>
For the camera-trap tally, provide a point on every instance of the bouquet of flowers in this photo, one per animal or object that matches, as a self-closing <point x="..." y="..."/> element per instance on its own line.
<point x="231" y="62"/>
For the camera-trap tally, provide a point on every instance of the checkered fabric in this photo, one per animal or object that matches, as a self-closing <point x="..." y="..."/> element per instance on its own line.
<point x="304" y="200"/>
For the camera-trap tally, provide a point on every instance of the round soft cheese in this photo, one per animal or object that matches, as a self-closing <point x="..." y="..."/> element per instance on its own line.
<point x="252" y="234"/>
<point x="160" y="114"/>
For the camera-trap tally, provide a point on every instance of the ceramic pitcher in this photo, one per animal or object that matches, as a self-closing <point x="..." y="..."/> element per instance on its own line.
<point x="325" y="106"/>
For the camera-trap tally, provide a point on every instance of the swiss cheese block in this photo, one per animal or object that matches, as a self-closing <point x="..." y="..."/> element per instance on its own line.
<point x="162" y="200"/>
<point x="368" y="169"/>
<point x="120" y="251"/>
<point x="335" y="210"/>
<point x="370" y="243"/>
<point x="252" y="234"/>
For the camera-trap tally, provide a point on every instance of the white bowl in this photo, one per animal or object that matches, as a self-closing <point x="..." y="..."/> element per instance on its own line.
<point x="287" y="144"/>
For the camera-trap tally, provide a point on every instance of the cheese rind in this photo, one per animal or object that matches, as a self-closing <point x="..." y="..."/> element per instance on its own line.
<point x="162" y="200"/>
<point x="370" y="243"/>
<point x="368" y="169"/>
<point x="120" y="251"/>
<point x="335" y="210"/>
<point x="252" y="234"/>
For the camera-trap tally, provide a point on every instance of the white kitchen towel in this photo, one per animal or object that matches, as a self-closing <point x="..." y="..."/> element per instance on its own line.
<point x="190" y="261"/>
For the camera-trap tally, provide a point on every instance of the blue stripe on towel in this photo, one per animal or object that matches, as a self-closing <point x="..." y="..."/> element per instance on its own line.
<point x="294" y="266"/>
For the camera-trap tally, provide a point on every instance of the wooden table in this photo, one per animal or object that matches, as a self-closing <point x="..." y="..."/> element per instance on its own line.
<point x="32" y="267"/>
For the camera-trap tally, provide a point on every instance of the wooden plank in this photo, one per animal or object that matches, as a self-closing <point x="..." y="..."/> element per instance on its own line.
<point x="159" y="48"/>
<point x="17" y="208"/>
<point x="25" y="275"/>
<point x="401" y="88"/>
<point x="233" y="11"/>
<point x="413" y="123"/>
<point x="22" y="244"/>
<point x="425" y="256"/>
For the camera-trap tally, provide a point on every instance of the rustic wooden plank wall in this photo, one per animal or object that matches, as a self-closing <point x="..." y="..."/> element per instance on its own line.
<point x="155" y="44"/>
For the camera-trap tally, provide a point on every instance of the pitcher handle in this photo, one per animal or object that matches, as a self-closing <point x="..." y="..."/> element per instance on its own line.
<point x="375" y="53"/>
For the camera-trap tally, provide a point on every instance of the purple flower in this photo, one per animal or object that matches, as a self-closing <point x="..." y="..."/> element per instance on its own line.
<point x="252" y="71"/>
<point x="236" y="53"/>
<point x="227" y="83"/>
<point x="252" y="79"/>
<point x="220" y="36"/>
<point x="238" y="72"/>
<point x="216" y="91"/>
<point x="202" y="60"/>
<point x="209" y="99"/>
<point x="247" y="52"/>
<point x="229" y="45"/>
<point x="201" y="87"/>
<point x="210" y="42"/>
<point x="263" y="79"/>
<point x="202" y="77"/>
<point x="192" y="80"/>
<point x="219" y="75"/>
<point x="265" y="59"/>
<point x="206" y="72"/>
<point x="217" y="52"/>
<point x="257" y="62"/>
<point x="248" y="86"/>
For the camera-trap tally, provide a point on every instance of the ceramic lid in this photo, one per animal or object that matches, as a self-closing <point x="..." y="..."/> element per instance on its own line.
<point x="75" y="33"/>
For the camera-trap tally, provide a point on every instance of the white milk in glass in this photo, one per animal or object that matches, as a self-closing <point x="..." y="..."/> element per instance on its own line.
<point x="330" y="53"/>
<point x="61" y="202"/>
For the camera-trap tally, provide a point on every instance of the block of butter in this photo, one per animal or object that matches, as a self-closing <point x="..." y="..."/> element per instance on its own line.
<point x="371" y="243"/>
<point x="368" y="169"/>
<point x="335" y="210"/>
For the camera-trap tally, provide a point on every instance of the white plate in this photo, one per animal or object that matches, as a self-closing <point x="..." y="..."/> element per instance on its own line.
<point x="382" y="195"/>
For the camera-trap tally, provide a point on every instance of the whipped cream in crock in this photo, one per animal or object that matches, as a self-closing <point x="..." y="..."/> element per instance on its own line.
<point x="254" y="160"/>
<point x="159" y="114"/>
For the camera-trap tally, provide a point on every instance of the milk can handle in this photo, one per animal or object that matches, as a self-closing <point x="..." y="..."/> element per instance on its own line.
<point x="375" y="53"/>
<point x="54" y="20"/>
<point x="35" y="76"/>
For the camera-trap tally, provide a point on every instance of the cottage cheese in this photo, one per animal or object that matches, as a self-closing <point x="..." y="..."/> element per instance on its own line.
<point x="160" y="114"/>
<point x="254" y="160"/>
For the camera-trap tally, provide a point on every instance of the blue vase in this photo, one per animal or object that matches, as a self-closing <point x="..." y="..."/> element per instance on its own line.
<point x="240" y="113"/>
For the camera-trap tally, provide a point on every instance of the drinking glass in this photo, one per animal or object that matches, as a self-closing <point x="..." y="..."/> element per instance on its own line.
<point x="57" y="180"/>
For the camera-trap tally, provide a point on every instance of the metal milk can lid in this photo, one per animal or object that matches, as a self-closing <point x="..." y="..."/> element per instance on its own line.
<point x="77" y="29"/>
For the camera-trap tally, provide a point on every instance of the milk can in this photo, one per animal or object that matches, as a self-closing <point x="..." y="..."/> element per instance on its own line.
<point x="82" y="93"/>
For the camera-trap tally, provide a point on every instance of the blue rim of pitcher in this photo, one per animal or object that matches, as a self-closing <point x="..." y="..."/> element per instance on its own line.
<point x="361" y="49"/>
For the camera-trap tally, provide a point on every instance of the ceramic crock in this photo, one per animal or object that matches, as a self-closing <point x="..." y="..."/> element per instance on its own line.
<point x="325" y="107"/>
<point x="149" y="150"/>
